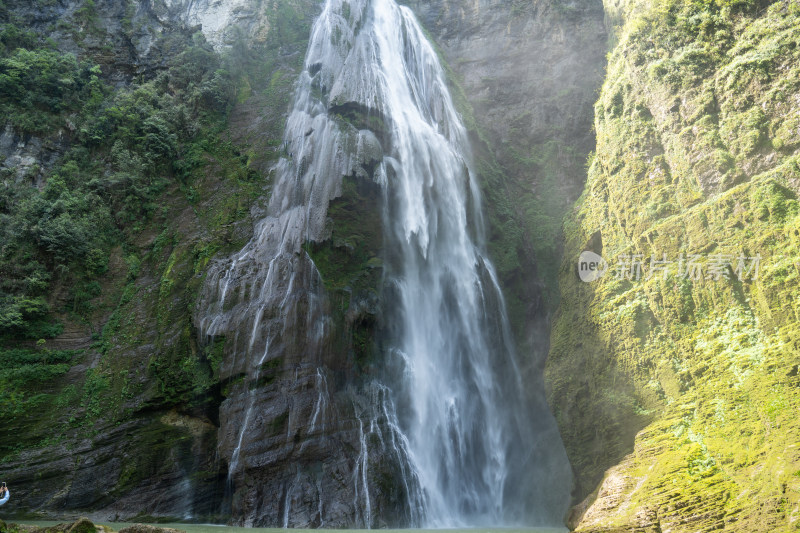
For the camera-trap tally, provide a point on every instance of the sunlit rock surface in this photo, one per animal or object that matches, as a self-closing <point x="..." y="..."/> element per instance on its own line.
<point x="677" y="392"/>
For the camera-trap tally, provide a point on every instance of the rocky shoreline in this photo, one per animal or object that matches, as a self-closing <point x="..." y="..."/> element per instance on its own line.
<point x="83" y="525"/>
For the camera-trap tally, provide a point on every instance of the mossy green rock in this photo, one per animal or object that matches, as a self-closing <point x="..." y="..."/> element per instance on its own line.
<point x="678" y="396"/>
<point x="82" y="525"/>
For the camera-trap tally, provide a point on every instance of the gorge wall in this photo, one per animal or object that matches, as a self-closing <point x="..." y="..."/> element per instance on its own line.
<point x="117" y="192"/>
<point x="677" y="390"/>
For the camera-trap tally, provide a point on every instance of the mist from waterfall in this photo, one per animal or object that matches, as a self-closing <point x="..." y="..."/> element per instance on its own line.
<point x="467" y="422"/>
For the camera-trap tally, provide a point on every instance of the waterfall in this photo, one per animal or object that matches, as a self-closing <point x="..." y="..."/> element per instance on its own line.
<point x="469" y="426"/>
<point x="470" y="434"/>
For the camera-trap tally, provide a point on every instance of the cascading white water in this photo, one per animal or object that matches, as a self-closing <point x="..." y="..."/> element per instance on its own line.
<point x="468" y="423"/>
<point x="475" y="445"/>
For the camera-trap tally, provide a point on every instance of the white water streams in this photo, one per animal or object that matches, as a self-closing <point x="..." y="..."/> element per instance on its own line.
<point x="467" y="420"/>
<point x="474" y="445"/>
<point x="321" y="404"/>
<point x="234" y="463"/>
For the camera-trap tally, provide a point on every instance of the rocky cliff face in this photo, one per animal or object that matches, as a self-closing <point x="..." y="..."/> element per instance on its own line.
<point x="307" y="437"/>
<point x="129" y="426"/>
<point x="674" y="376"/>
<point x="528" y="71"/>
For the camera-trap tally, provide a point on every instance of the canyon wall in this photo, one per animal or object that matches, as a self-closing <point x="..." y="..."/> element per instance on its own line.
<point x="674" y="376"/>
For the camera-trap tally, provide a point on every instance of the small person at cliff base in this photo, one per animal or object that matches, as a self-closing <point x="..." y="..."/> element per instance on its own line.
<point x="5" y="494"/>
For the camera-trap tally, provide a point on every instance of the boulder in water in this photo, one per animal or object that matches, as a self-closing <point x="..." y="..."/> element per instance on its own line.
<point x="82" y="525"/>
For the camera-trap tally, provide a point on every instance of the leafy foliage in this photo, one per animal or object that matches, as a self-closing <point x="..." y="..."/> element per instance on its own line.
<point x="23" y="374"/>
<point x="128" y="145"/>
<point x="38" y="85"/>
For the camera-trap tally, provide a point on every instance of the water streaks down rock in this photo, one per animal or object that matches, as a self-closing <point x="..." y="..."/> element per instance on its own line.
<point x="393" y="391"/>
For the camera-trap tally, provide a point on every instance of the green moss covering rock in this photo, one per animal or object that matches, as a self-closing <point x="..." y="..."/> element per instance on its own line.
<point x="81" y="525"/>
<point x="677" y="395"/>
<point x="351" y="265"/>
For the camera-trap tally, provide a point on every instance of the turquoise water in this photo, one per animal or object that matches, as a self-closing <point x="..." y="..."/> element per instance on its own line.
<point x="209" y="528"/>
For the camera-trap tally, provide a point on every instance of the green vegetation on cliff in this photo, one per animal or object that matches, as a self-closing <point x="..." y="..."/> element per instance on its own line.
<point x="104" y="246"/>
<point x="128" y="148"/>
<point x="688" y="383"/>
